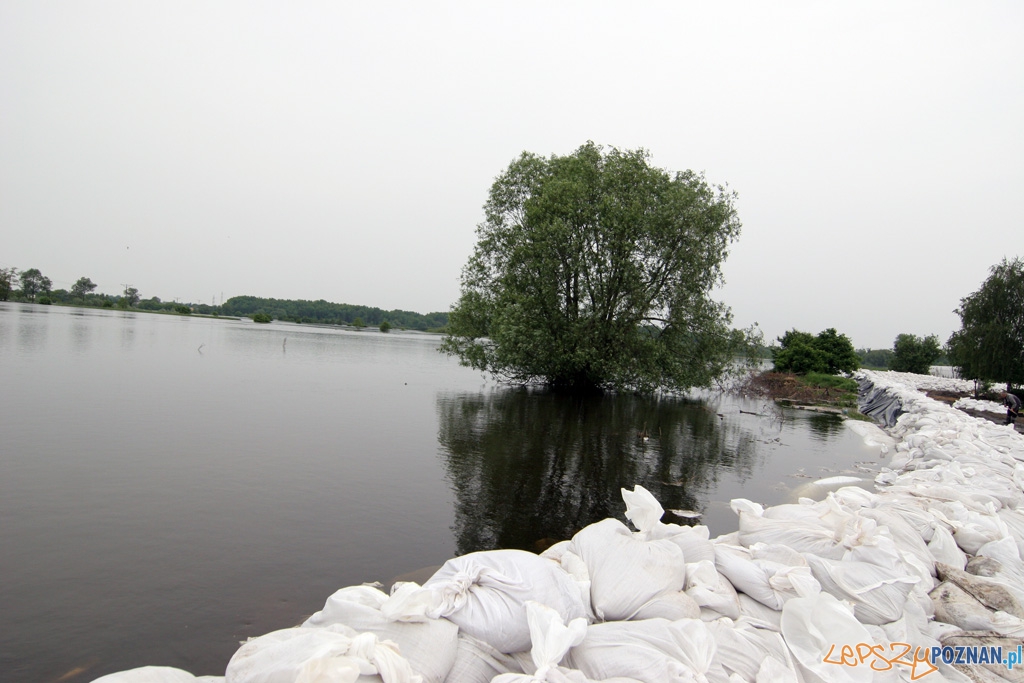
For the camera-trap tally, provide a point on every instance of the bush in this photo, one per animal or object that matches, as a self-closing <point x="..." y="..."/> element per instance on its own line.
<point x="385" y="326"/>
<point x="829" y="353"/>
<point x="183" y="309"/>
<point x="261" y="318"/>
<point x="44" y="300"/>
<point x="914" y="354"/>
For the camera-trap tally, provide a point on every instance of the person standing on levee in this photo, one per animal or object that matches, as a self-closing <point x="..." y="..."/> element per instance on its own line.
<point x="1012" y="404"/>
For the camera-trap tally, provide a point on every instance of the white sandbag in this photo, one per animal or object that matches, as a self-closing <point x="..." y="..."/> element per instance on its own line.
<point x="814" y="627"/>
<point x="764" y="577"/>
<point x="645" y="513"/>
<point x="626" y="572"/>
<point x="759" y="615"/>
<point x="551" y="639"/>
<point x="711" y="591"/>
<point x="430" y="645"/>
<point x="478" y="662"/>
<point x="671" y="606"/>
<point x="694" y="541"/>
<point x="575" y="567"/>
<point x="943" y="548"/>
<point x="877" y="593"/>
<point x="335" y="654"/>
<point x="806" y="534"/>
<point x="148" y="674"/>
<point x="905" y="537"/>
<point x="741" y="649"/>
<point x="652" y="651"/>
<point x="485" y="594"/>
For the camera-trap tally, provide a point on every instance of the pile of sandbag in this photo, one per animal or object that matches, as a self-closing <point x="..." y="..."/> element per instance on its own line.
<point x="807" y="592"/>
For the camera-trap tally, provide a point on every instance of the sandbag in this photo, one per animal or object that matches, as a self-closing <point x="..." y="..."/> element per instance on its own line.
<point x="626" y="572"/>
<point x="150" y="674"/>
<point x="551" y="639"/>
<point x="335" y="654"/>
<point x="652" y="651"/>
<point x="478" y="662"/>
<point x="878" y="594"/>
<point x="993" y="594"/>
<point x="762" y="576"/>
<point x="711" y="591"/>
<point x="430" y="645"/>
<point x="943" y="548"/>
<point x="645" y="513"/>
<point x="485" y="594"/>
<point x="812" y="627"/>
<point x="671" y="606"/>
<point x="741" y="649"/>
<point x="574" y="566"/>
<point x="955" y="606"/>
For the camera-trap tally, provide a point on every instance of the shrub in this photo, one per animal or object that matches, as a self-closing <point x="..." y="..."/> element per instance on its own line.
<point x="261" y="318"/>
<point x="829" y="353"/>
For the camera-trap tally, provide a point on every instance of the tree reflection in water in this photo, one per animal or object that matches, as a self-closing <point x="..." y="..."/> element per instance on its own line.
<point x="824" y="426"/>
<point x="530" y="466"/>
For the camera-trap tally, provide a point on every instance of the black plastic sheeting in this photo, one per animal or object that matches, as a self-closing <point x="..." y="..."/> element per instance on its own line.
<point x="878" y="403"/>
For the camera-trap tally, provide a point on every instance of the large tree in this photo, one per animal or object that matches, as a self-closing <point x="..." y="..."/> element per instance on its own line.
<point x="34" y="283"/>
<point x="7" y="276"/>
<point x="911" y="353"/>
<point x="990" y="344"/>
<point x="593" y="271"/>
<point x="82" y="287"/>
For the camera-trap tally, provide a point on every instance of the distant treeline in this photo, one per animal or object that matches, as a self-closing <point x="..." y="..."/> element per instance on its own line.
<point x="327" y="313"/>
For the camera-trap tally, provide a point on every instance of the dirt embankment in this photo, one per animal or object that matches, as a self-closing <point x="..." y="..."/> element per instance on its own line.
<point x="789" y="388"/>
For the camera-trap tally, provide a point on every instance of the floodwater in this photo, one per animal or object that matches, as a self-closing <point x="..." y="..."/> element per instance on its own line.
<point x="170" y="486"/>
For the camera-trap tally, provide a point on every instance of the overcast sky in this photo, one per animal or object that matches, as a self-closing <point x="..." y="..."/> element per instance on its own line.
<point x="343" y="151"/>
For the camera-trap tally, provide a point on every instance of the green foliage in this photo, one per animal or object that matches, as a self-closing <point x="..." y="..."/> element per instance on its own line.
<point x="911" y="353"/>
<point x="182" y="309"/>
<point x="7" y="276"/>
<point x="358" y="322"/>
<point x="44" y="300"/>
<point x="82" y="287"/>
<point x="261" y="318"/>
<point x="875" y="358"/>
<point x="593" y="271"/>
<point x="990" y="344"/>
<point x="34" y="283"/>
<point x="325" y="312"/>
<point x="817" y="379"/>
<point x="829" y="353"/>
<point x="385" y="326"/>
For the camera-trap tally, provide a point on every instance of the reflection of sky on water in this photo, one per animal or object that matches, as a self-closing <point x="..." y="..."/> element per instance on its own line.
<point x="526" y="466"/>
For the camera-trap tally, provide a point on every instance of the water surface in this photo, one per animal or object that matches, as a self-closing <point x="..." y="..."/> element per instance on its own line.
<point x="170" y="485"/>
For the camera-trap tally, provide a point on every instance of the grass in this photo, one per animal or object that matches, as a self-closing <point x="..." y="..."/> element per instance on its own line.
<point x="817" y="379"/>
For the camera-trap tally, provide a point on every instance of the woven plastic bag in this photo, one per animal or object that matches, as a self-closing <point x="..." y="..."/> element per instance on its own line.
<point x="430" y="645"/>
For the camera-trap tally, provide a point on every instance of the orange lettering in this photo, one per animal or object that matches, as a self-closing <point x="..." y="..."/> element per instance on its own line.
<point x="880" y="663"/>
<point x="898" y="659"/>
<point x="914" y="675"/>
<point x="831" y="661"/>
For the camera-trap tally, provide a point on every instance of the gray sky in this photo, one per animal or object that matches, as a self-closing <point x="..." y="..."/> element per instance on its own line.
<point x="343" y="151"/>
